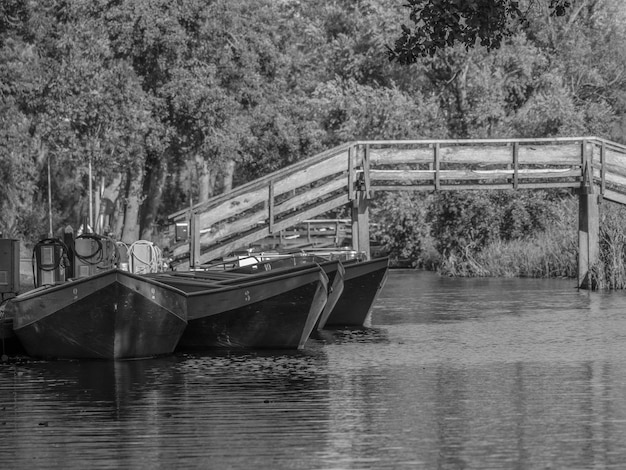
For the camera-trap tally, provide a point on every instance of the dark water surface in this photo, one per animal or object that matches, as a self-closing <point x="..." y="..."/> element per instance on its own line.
<point x="454" y="374"/>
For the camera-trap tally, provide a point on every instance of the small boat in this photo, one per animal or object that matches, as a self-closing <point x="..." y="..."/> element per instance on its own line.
<point x="110" y="315"/>
<point x="269" y="310"/>
<point x="333" y="269"/>
<point x="362" y="281"/>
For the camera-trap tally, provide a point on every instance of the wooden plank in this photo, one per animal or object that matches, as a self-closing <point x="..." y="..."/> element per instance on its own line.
<point x="227" y="229"/>
<point x="613" y="159"/>
<point x="421" y="175"/>
<point x="312" y="195"/>
<point x="333" y="166"/>
<point x="550" y="155"/>
<point x="233" y="207"/>
<point x="312" y="211"/>
<point x="615" y="179"/>
<point x="484" y="186"/>
<point x="400" y="156"/>
<point x="614" y="196"/>
<point x="327" y="221"/>
<point x="476" y="154"/>
<point x="407" y="187"/>
<point x="611" y="166"/>
<point x="527" y="141"/>
<point x="510" y="186"/>
<point x="563" y="184"/>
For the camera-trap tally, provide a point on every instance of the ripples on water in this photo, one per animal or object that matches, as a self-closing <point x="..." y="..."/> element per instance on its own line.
<point x="455" y="373"/>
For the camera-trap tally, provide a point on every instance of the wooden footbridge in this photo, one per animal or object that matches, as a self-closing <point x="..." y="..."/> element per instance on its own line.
<point x="350" y="173"/>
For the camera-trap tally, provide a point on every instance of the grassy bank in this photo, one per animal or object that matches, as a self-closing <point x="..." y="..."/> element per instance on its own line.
<point x="503" y="235"/>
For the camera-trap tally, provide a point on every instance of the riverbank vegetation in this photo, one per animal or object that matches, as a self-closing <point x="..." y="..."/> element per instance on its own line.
<point x="173" y="102"/>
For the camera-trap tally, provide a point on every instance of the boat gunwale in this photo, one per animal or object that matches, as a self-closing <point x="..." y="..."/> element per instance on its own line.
<point x="213" y="286"/>
<point x="28" y="295"/>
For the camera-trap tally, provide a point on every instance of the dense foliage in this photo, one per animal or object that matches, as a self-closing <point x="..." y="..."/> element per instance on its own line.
<point x="438" y="24"/>
<point x="172" y="102"/>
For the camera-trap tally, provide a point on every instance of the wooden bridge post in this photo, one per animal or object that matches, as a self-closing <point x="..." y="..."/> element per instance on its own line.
<point x="588" y="236"/>
<point x="360" y="207"/>
<point x="194" y="240"/>
<point x="588" y="221"/>
<point x="360" y="224"/>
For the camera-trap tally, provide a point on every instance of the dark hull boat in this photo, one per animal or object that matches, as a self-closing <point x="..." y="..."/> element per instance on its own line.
<point x="270" y="310"/>
<point x="333" y="269"/>
<point x="110" y="315"/>
<point x="362" y="281"/>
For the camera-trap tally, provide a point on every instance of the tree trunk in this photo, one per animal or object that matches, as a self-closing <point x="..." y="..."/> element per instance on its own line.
<point x="206" y="180"/>
<point x="109" y="200"/>
<point x="119" y="208"/>
<point x="460" y="89"/>
<point x="227" y="175"/>
<point x="130" y="232"/>
<point x="153" y="185"/>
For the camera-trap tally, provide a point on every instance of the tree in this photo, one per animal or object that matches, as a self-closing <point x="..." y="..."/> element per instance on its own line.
<point x="439" y="24"/>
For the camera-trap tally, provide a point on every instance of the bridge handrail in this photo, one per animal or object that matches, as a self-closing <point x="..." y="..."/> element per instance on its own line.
<point x="260" y="182"/>
<point x="288" y="194"/>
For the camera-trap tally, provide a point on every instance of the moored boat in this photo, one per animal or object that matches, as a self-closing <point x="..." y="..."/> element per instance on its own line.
<point x="110" y="315"/>
<point x="269" y="310"/>
<point x="333" y="269"/>
<point x="362" y="281"/>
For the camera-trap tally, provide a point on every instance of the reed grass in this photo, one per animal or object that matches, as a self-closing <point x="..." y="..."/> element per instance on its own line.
<point x="610" y="270"/>
<point x="552" y="252"/>
<point x="549" y="253"/>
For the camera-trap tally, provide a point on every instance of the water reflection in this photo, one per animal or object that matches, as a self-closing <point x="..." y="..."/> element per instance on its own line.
<point x="472" y="373"/>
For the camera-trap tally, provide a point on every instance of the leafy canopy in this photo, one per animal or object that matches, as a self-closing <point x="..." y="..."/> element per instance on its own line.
<point x="439" y="24"/>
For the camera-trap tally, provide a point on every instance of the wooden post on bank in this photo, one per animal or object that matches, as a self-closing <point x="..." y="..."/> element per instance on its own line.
<point x="588" y="224"/>
<point x="360" y="203"/>
<point x="360" y="224"/>
<point x="588" y="236"/>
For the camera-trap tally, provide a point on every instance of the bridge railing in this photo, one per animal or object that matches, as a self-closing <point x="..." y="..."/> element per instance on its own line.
<point x="609" y="169"/>
<point x="267" y="205"/>
<point x="256" y="210"/>
<point x="475" y="164"/>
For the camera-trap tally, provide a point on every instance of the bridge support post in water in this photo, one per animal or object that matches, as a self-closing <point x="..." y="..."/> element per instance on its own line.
<point x="588" y="235"/>
<point x="360" y="224"/>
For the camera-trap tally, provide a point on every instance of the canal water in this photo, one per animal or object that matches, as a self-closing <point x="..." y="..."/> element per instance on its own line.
<point x="453" y="374"/>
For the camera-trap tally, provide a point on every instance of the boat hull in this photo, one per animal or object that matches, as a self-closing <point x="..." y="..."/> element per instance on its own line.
<point x="334" y="270"/>
<point x="266" y="311"/>
<point x="112" y="315"/>
<point x="362" y="282"/>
